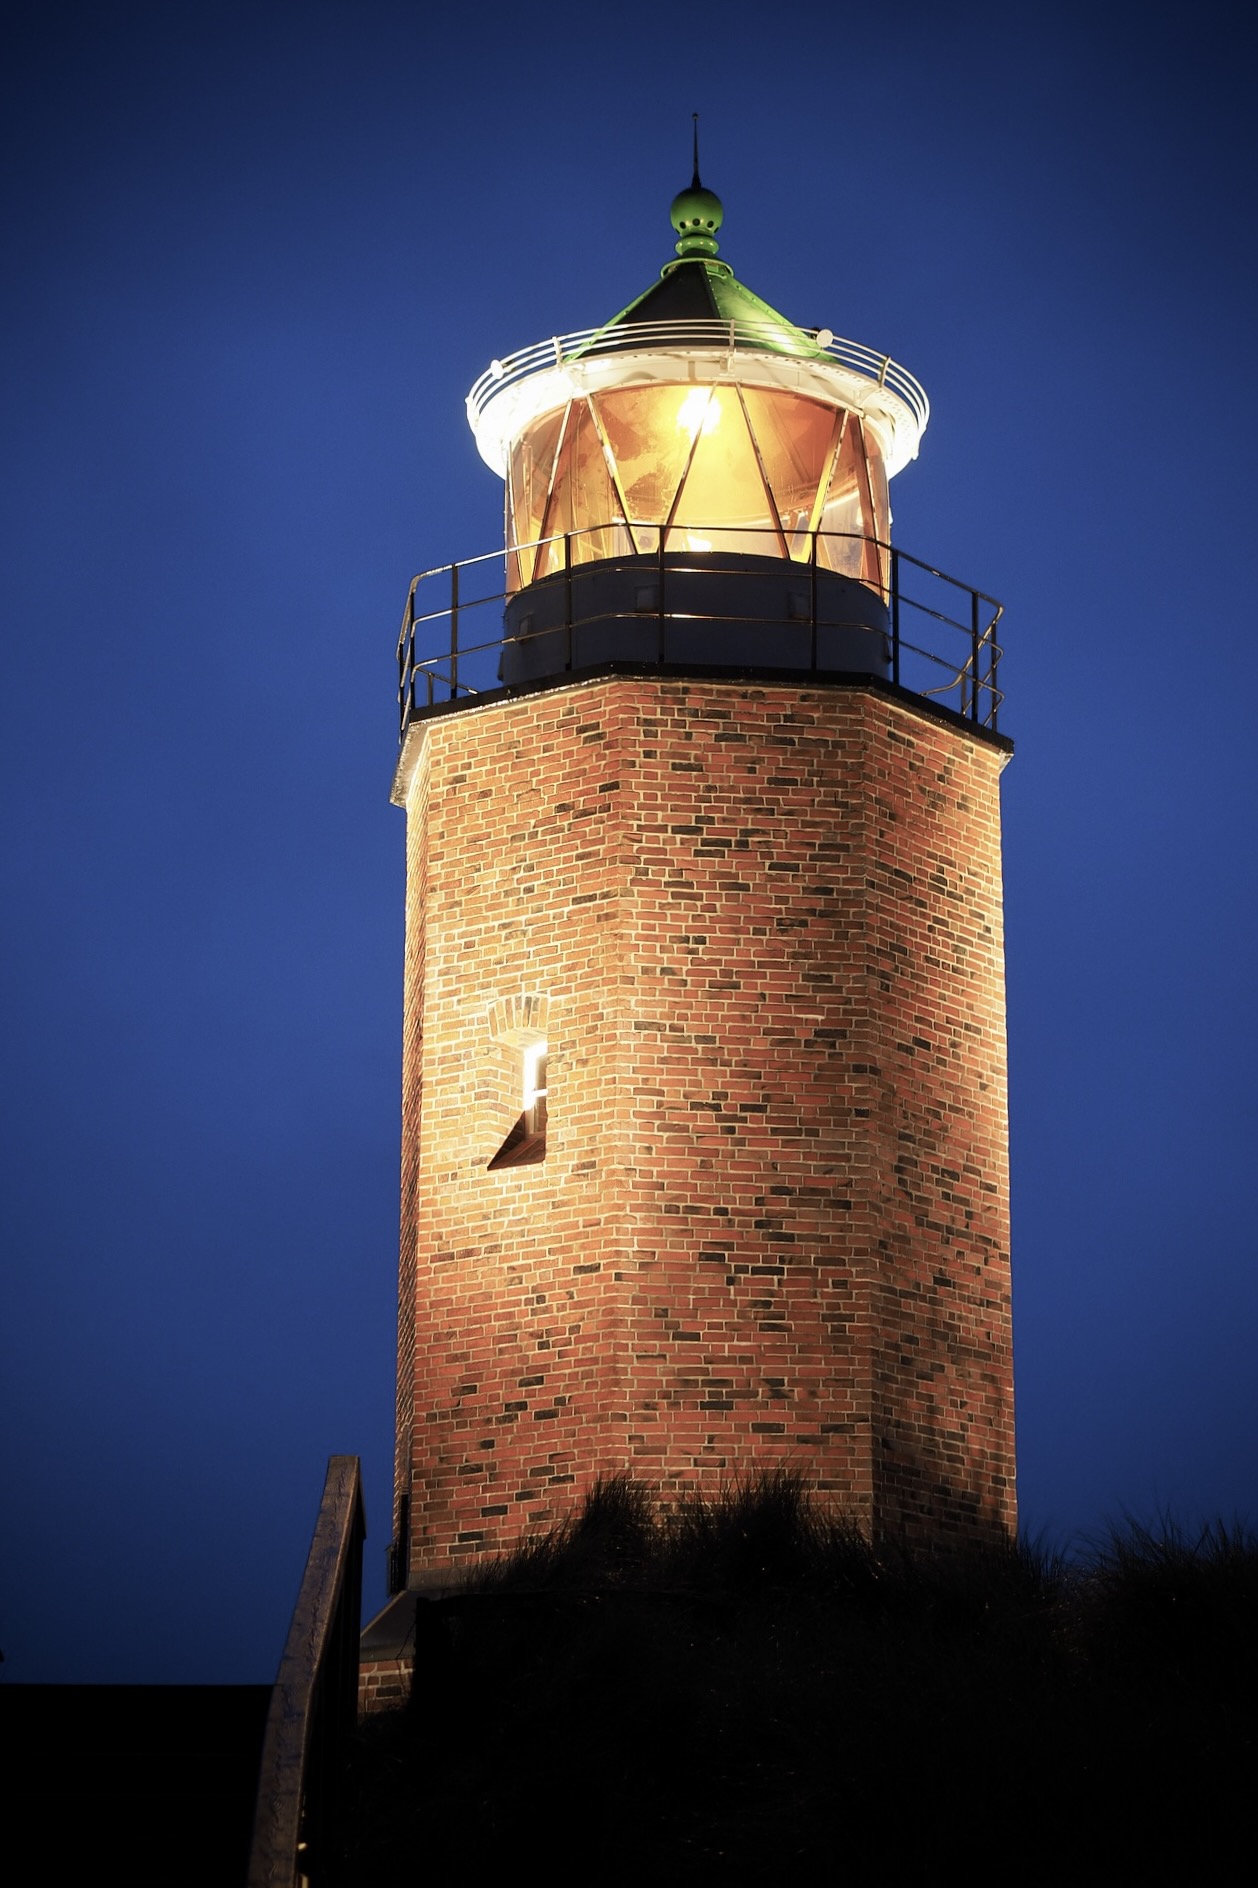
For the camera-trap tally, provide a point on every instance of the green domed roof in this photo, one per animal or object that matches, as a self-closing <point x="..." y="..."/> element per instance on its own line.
<point x="701" y="288"/>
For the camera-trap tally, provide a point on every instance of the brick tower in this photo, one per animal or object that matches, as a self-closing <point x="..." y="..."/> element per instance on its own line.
<point x="704" y="1115"/>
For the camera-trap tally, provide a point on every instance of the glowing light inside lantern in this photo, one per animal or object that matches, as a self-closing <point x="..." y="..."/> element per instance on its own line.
<point x="700" y="411"/>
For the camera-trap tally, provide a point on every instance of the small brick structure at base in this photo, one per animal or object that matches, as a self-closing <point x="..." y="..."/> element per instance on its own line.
<point x="384" y="1684"/>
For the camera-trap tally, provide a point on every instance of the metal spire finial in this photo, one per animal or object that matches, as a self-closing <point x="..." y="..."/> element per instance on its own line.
<point x="696" y="213"/>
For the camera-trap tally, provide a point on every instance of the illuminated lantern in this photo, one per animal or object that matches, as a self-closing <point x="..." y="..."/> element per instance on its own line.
<point x="701" y="460"/>
<point x="704" y="1123"/>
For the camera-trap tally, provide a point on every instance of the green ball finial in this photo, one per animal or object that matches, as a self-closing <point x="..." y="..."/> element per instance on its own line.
<point x="696" y="216"/>
<point x="697" y="213"/>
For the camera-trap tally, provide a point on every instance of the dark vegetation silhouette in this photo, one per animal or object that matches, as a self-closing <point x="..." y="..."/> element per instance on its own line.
<point x="745" y="1685"/>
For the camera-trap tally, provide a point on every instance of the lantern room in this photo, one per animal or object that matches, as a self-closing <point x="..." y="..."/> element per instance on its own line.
<point x="699" y="459"/>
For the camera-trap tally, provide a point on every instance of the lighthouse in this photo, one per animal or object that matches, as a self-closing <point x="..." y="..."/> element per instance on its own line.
<point x="704" y="1124"/>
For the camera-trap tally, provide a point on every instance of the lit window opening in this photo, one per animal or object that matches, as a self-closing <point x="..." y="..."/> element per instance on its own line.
<point x="525" y="1145"/>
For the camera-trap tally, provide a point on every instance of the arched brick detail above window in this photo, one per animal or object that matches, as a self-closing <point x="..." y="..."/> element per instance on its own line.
<point x="519" y="1021"/>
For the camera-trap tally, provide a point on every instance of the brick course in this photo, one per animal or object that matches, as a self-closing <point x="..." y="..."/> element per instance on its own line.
<point x="384" y="1684"/>
<point x="761" y="925"/>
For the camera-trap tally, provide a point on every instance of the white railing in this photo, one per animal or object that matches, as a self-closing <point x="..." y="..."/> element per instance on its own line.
<point x="710" y="335"/>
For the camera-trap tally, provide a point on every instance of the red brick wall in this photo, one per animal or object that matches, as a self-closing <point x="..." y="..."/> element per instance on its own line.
<point x="384" y="1684"/>
<point x="772" y="1222"/>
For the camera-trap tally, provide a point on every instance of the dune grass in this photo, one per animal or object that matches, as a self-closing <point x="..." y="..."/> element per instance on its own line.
<point x="745" y="1684"/>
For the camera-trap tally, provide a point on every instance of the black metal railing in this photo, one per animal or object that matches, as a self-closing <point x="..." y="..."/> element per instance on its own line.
<point x="940" y="633"/>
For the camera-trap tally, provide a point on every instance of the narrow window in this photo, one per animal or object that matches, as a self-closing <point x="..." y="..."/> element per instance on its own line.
<point x="526" y="1143"/>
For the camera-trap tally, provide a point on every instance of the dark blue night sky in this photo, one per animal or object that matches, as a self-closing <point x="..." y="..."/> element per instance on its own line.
<point x="255" y="258"/>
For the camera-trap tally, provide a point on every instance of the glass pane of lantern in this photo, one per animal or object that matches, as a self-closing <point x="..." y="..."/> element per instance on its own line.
<point x="844" y="526"/>
<point x="584" y="501"/>
<point x="549" y="556"/>
<point x="795" y="437"/>
<point x="595" y="505"/>
<point x="723" y="504"/>
<point x="649" y="444"/>
<point x="856" y="510"/>
<point x="530" y="472"/>
<point x="878" y="557"/>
